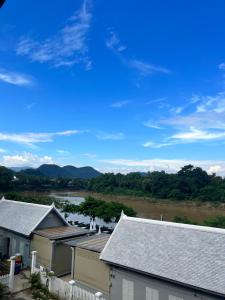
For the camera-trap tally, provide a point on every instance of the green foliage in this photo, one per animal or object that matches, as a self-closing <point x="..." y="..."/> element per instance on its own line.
<point x="6" y="177"/>
<point x="108" y="211"/>
<point x="32" y="180"/>
<point x="40" y="292"/>
<point x="184" y="220"/>
<point x="190" y="183"/>
<point x="35" y="281"/>
<point x="218" y="221"/>
<point x="1" y="290"/>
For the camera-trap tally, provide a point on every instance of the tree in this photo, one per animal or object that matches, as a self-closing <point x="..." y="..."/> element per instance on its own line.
<point x="108" y="211"/>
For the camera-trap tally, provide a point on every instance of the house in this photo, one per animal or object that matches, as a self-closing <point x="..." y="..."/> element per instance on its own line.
<point x="26" y="226"/>
<point x="156" y="260"/>
<point x="87" y="268"/>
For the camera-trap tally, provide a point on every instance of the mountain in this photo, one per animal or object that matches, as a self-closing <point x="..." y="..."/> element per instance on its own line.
<point x="54" y="171"/>
<point x="18" y="169"/>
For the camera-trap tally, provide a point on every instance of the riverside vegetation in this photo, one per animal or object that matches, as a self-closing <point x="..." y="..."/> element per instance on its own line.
<point x="191" y="184"/>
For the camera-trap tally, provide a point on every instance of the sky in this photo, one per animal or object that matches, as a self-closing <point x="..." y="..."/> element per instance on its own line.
<point x="118" y="85"/>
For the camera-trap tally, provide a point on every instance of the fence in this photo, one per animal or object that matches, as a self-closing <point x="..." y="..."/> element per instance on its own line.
<point x="64" y="290"/>
<point x="67" y="290"/>
<point x="4" y="279"/>
<point x="8" y="279"/>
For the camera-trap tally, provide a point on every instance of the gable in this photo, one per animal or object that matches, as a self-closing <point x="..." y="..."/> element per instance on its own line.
<point x="21" y="217"/>
<point x="51" y="220"/>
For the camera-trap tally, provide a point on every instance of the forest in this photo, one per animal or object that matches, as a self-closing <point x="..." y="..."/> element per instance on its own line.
<point x="190" y="183"/>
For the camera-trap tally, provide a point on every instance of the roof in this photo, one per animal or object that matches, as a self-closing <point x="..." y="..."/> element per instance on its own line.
<point x="94" y="242"/>
<point x="187" y="254"/>
<point x="61" y="232"/>
<point x="23" y="217"/>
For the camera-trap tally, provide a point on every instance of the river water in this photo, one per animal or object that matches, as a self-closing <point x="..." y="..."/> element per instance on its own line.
<point x="74" y="217"/>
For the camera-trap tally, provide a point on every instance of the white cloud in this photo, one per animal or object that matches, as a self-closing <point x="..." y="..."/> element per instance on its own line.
<point x="168" y="165"/>
<point x="195" y="98"/>
<point x="30" y="106"/>
<point x="178" y="110"/>
<point x="157" y="100"/>
<point x="215" y="169"/>
<point x="2" y="150"/>
<point x="63" y="152"/>
<point x="143" y="68"/>
<point x="32" y="138"/>
<point x="120" y="104"/>
<point x="151" y="144"/>
<point x="196" y="135"/>
<point x="67" y="132"/>
<point x="15" y="78"/>
<point x="113" y="42"/>
<point x="67" y="47"/>
<point x="204" y="121"/>
<point x="221" y="66"/>
<point x="152" y="124"/>
<point x="110" y="136"/>
<point x="89" y="155"/>
<point x="25" y="159"/>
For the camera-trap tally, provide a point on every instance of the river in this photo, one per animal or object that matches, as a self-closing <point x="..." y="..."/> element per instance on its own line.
<point x="79" y="217"/>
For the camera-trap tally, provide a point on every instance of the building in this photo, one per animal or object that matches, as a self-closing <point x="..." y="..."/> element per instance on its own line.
<point x="157" y="260"/>
<point x="53" y="252"/>
<point x="26" y="226"/>
<point x="87" y="269"/>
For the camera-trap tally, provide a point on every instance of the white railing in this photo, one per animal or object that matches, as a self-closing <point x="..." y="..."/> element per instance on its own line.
<point x="64" y="290"/>
<point x="5" y="280"/>
<point x="67" y="290"/>
<point x="59" y="287"/>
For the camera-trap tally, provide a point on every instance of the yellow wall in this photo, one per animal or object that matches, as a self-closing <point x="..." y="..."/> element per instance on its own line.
<point x="91" y="270"/>
<point x="43" y="246"/>
<point x="62" y="259"/>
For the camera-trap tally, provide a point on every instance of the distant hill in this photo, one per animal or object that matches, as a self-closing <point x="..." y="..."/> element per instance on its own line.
<point x="55" y="171"/>
<point x="18" y="169"/>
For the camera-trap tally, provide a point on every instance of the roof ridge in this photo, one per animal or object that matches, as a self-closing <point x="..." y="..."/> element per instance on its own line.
<point x="26" y="203"/>
<point x="174" y="224"/>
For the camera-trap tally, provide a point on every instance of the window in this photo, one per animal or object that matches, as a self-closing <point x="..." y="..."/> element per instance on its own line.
<point x="128" y="290"/>
<point x="152" y="294"/>
<point x="175" y="298"/>
<point x="13" y="247"/>
<point x="21" y="249"/>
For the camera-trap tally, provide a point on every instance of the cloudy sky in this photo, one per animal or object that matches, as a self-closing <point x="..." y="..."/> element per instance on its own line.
<point x="118" y="85"/>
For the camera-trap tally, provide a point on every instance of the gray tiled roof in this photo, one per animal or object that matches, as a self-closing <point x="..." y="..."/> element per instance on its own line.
<point x="21" y="217"/>
<point x="189" y="254"/>
<point x="94" y="242"/>
<point x="60" y="232"/>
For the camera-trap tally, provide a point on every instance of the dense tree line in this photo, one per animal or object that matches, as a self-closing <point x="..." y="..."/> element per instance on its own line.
<point x="190" y="183"/>
<point x="21" y="181"/>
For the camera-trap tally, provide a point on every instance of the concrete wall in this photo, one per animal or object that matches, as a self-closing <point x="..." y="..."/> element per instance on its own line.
<point x="90" y="270"/>
<point x="44" y="248"/>
<point x="12" y="243"/>
<point x="62" y="259"/>
<point x="51" y="220"/>
<point x="127" y="285"/>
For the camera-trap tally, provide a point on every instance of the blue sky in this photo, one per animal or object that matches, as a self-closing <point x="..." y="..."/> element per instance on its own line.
<point x="118" y="85"/>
